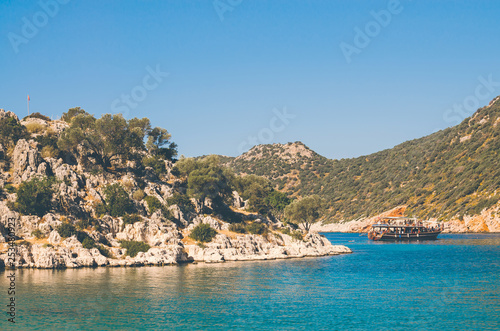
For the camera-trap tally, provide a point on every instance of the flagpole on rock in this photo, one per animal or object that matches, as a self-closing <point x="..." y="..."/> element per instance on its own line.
<point x="28" y="104"/>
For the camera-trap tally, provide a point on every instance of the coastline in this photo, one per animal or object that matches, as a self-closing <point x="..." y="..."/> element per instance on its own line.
<point x="71" y="254"/>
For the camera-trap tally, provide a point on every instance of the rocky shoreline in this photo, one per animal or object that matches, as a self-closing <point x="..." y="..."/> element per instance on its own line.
<point x="70" y="253"/>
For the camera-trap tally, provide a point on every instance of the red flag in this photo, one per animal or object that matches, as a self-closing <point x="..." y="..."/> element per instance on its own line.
<point x="28" y="97"/>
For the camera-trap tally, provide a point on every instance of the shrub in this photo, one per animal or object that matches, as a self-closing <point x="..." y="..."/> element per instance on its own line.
<point x="203" y="233"/>
<point x="238" y="228"/>
<point x="88" y="243"/>
<point x="85" y="224"/>
<point x="66" y="230"/>
<point x="156" y="163"/>
<point x="138" y="195"/>
<point x="34" y="127"/>
<point x="131" y="218"/>
<point x="182" y="201"/>
<point x="50" y="152"/>
<point x="226" y="213"/>
<point x="34" y="197"/>
<point x="100" y="209"/>
<point x="256" y="228"/>
<point x="11" y="131"/>
<point x="118" y="202"/>
<point x="10" y="188"/>
<point x="37" y="233"/>
<point x="104" y="251"/>
<point x="134" y="247"/>
<point x="297" y="235"/>
<point x="38" y="115"/>
<point x="154" y="204"/>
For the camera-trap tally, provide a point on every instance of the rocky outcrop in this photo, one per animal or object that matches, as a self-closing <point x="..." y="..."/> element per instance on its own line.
<point x="27" y="162"/>
<point x="254" y="247"/>
<point x="151" y="233"/>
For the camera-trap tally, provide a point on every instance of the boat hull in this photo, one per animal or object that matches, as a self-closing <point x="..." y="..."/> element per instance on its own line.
<point x="404" y="236"/>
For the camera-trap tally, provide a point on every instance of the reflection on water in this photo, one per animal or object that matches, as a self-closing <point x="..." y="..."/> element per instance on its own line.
<point x="450" y="283"/>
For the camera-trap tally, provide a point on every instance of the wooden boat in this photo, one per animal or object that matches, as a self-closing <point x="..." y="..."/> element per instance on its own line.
<point x="404" y="228"/>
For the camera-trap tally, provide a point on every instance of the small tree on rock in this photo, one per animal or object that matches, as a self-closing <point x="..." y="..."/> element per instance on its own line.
<point x="305" y="211"/>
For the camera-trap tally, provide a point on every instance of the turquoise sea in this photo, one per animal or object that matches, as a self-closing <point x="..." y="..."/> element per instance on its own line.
<point x="449" y="284"/>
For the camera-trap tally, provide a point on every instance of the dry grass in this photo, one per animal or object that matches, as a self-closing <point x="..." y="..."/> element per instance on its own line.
<point x="35" y="128"/>
<point x="49" y="151"/>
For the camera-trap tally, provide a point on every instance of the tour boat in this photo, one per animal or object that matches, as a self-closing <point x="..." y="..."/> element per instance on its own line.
<point x="404" y="228"/>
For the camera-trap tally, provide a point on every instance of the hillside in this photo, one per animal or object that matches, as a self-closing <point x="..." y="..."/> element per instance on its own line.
<point x="448" y="174"/>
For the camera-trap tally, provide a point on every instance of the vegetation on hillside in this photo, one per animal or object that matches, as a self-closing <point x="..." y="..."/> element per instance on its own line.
<point x="452" y="172"/>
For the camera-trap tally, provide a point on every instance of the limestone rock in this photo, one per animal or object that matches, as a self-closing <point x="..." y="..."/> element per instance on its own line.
<point x="54" y="238"/>
<point x="26" y="160"/>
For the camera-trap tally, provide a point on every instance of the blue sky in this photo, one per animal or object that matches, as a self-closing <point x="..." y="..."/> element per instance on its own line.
<point x="234" y="65"/>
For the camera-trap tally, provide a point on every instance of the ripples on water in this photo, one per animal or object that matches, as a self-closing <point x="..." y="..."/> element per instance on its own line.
<point x="451" y="284"/>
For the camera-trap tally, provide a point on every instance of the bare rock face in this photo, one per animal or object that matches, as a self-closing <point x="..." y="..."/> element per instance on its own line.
<point x="162" y="256"/>
<point x="254" y="247"/>
<point x="5" y="114"/>
<point x="48" y="223"/>
<point x="110" y="225"/>
<point x="54" y="238"/>
<point x="69" y="199"/>
<point x="27" y="162"/>
<point x="206" y="220"/>
<point x="64" y="173"/>
<point x="153" y="234"/>
<point x="238" y="201"/>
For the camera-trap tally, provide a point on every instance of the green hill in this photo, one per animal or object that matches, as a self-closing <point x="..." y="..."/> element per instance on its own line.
<point x="453" y="172"/>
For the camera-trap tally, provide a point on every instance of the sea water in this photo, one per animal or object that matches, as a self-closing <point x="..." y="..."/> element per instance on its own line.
<point x="452" y="283"/>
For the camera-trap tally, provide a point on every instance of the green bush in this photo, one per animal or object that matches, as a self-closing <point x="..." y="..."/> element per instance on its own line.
<point x="100" y="209"/>
<point x="256" y="228"/>
<point x="153" y="204"/>
<point x="238" y="228"/>
<point x="182" y="201"/>
<point x="156" y="163"/>
<point x="11" y="131"/>
<point x="131" y="218"/>
<point x="118" y="202"/>
<point x="297" y="235"/>
<point x="66" y="230"/>
<point x="34" y="197"/>
<point x="38" y="115"/>
<point x="86" y="223"/>
<point x="88" y="243"/>
<point x="37" y="233"/>
<point x="138" y="195"/>
<point x="10" y="188"/>
<point x="104" y="251"/>
<point x="203" y="233"/>
<point x="134" y="247"/>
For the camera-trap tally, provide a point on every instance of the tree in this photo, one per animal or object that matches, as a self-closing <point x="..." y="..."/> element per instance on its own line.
<point x="106" y="139"/>
<point x="72" y="112"/>
<point x="158" y="140"/>
<point x="11" y="131"/>
<point x="34" y="197"/>
<point x="305" y="211"/>
<point x="255" y="189"/>
<point x="206" y="178"/>
<point x="278" y="201"/>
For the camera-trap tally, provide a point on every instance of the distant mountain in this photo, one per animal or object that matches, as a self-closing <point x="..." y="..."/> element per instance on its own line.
<point x="450" y="173"/>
